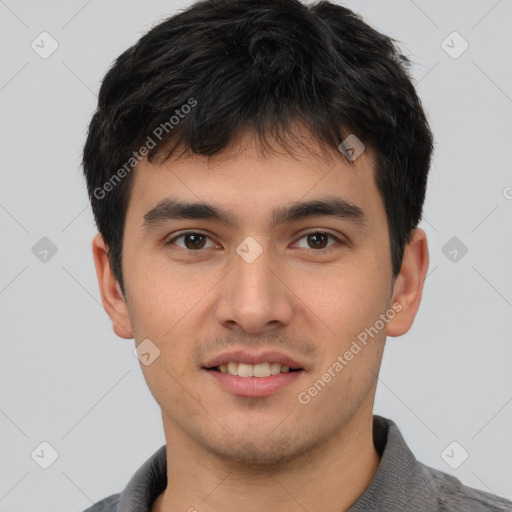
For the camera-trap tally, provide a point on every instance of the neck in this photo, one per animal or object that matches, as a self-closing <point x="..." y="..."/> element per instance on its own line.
<point x="334" y="474"/>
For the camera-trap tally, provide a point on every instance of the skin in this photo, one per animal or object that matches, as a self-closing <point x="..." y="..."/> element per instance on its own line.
<point x="227" y="452"/>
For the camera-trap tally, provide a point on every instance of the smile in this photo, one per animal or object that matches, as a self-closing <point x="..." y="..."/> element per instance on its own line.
<point x="252" y="370"/>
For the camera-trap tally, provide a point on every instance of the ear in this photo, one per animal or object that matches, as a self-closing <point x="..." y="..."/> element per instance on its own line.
<point x="408" y="287"/>
<point x="111" y="295"/>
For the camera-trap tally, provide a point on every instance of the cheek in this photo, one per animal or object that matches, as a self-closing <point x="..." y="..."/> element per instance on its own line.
<point x="164" y="307"/>
<point x="348" y="298"/>
<point x="161" y="294"/>
<point x="164" y="384"/>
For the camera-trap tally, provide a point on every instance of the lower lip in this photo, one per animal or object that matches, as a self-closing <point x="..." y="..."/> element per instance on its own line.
<point x="254" y="386"/>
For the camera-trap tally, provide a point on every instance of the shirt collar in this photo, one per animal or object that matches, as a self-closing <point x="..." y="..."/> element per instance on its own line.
<point x="146" y="484"/>
<point x="400" y="483"/>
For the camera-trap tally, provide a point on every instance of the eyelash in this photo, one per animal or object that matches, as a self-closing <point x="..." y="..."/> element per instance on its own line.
<point x="333" y="246"/>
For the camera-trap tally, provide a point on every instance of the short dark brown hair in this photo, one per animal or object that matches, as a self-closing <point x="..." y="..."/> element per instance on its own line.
<point x="221" y="66"/>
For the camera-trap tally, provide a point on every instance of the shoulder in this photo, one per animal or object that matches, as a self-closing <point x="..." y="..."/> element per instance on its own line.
<point x="108" y="504"/>
<point x="452" y="495"/>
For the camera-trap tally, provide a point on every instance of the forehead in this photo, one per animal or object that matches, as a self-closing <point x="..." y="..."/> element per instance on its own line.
<point x="253" y="183"/>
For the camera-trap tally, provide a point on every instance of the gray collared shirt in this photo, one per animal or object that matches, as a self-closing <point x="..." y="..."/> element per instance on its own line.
<point x="401" y="484"/>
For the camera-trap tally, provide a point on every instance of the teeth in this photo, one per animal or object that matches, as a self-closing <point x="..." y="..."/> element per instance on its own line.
<point x="245" y="370"/>
<point x="275" y="368"/>
<point x="252" y="370"/>
<point x="261" y="370"/>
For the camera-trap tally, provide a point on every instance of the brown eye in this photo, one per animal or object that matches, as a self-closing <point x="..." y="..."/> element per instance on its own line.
<point x="318" y="240"/>
<point x="194" y="241"/>
<point x="191" y="241"/>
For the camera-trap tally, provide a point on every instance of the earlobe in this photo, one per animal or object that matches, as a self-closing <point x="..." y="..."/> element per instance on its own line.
<point x="408" y="287"/>
<point x="111" y="294"/>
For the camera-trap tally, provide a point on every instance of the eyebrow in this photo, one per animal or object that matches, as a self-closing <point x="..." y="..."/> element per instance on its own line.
<point x="173" y="209"/>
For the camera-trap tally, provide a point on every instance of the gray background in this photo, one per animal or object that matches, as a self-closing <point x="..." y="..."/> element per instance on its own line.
<point x="68" y="380"/>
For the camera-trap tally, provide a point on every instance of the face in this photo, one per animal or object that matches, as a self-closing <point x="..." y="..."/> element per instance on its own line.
<point x="253" y="280"/>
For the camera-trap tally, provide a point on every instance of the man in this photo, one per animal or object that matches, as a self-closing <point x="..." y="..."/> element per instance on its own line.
<point x="257" y="171"/>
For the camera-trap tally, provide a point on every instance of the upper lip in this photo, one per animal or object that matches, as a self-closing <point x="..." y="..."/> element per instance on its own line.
<point x="243" y="356"/>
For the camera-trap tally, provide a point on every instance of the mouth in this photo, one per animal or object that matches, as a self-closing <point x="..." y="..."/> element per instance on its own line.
<point x="249" y="375"/>
<point x="260" y="370"/>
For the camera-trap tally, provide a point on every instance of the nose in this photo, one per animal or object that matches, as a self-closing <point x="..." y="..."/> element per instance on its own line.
<point x="253" y="296"/>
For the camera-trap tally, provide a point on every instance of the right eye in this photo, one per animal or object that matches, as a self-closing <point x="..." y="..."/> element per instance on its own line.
<point x="192" y="241"/>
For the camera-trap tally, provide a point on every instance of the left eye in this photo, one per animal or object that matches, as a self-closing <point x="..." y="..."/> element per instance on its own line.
<point x="196" y="241"/>
<point x="318" y="240"/>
